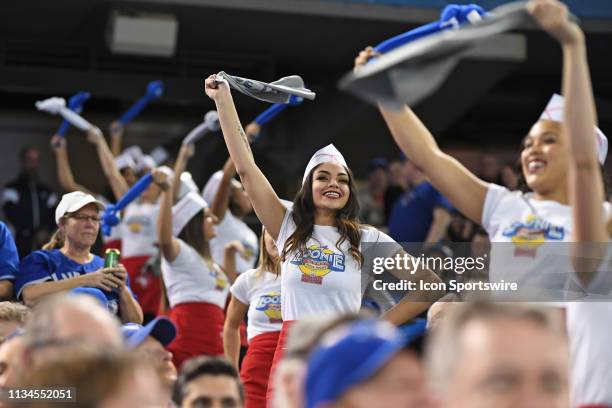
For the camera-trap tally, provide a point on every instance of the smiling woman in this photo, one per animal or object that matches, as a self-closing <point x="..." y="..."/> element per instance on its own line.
<point x="73" y="266"/>
<point x="531" y="222"/>
<point x="320" y="238"/>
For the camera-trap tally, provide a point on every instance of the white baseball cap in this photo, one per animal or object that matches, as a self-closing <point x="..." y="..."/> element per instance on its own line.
<point x="74" y="201"/>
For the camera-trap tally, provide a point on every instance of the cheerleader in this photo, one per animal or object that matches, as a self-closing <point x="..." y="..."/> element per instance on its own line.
<point x="528" y="221"/>
<point x="589" y="323"/>
<point x="320" y="239"/>
<point x="256" y="292"/>
<point x="196" y="287"/>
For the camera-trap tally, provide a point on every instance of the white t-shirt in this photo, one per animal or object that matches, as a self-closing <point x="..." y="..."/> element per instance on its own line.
<point x="231" y="229"/>
<point x="589" y="326"/>
<point x="262" y="294"/>
<point x="531" y="232"/>
<point x="189" y="279"/>
<point x="326" y="280"/>
<point x="139" y="230"/>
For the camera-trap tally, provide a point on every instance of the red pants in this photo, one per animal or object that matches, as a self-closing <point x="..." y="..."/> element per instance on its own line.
<point x="281" y="346"/>
<point x="255" y="369"/>
<point x="200" y="331"/>
<point x="146" y="286"/>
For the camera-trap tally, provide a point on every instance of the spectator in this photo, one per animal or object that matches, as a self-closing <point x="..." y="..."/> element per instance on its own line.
<point x="12" y="317"/>
<point x="289" y="375"/>
<point x="368" y="364"/>
<point x="11" y="363"/>
<point x="499" y="355"/>
<point x="421" y="214"/>
<point x="9" y="262"/>
<point x="73" y="265"/>
<point x="372" y="201"/>
<point x="149" y="342"/>
<point x="62" y="321"/>
<point x="28" y="204"/>
<point x="398" y="184"/>
<point x="98" y="379"/>
<point x="208" y="382"/>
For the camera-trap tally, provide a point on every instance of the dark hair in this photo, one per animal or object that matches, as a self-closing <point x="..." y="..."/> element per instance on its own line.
<point x="347" y="222"/>
<point x="193" y="235"/>
<point x="200" y="366"/>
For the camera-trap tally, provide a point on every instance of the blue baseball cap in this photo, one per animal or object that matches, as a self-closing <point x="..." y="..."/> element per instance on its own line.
<point x="350" y="355"/>
<point x="161" y="329"/>
<point x="94" y="292"/>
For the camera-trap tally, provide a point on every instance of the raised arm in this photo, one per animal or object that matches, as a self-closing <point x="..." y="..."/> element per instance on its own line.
<point x="224" y="192"/>
<point x="462" y="188"/>
<point x="168" y="245"/>
<point x="185" y="153"/>
<point x="116" y="181"/>
<point x="116" y="134"/>
<point x="266" y="203"/>
<point x="584" y="176"/>
<point x="64" y="172"/>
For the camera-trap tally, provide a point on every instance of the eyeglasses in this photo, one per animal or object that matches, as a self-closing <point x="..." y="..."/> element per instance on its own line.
<point x="93" y="218"/>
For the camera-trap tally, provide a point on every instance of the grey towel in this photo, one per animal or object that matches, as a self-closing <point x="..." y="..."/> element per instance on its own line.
<point x="275" y="92"/>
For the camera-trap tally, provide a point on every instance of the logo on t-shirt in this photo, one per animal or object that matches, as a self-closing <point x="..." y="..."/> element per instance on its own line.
<point x="220" y="281"/>
<point x="529" y="235"/>
<point x="270" y="304"/>
<point x="316" y="262"/>
<point x="136" y="224"/>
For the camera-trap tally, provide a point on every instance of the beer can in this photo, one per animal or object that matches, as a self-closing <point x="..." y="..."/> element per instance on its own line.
<point x="111" y="258"/>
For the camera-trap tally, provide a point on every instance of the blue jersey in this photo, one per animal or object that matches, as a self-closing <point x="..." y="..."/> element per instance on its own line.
<point x="47" y="266"/>
<point x="9" y="260"/>
<point x="412" y="213"/>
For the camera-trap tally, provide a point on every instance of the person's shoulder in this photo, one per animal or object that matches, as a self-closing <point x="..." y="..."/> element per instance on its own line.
<point x="43" y="256"/>
<point x="370" y="233"/>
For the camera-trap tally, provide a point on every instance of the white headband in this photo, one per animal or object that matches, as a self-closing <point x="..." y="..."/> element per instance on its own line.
<point x="212" y="186"/>
<point x="124" y="161"/>
<point x="554" y="111"/>
<point x="185" y="210"/>
<point x="328" y="154"/>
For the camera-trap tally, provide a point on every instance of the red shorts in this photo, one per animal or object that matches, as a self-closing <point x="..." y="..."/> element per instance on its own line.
<point x="281" y="346"/>
<point x="146" y="286"/>
<point x="200" y="331"/>
<point x="255" y="369"/>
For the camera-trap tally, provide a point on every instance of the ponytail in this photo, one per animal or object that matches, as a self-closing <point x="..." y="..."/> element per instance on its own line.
<point x="56" y="241"/>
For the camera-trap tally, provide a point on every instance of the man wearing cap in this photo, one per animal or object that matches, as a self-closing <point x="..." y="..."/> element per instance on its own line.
<point x="73" y="265"/>
<point x="367" y="364"/>
<point x="150" y="341"/>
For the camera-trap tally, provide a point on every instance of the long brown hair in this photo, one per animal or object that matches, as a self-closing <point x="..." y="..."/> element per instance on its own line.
<point x="266" y="262"/>
<point x="193" y="235"/>
<point x="347" y="222"/>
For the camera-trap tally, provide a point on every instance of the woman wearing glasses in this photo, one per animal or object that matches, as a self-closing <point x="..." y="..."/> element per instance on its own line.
<point x="73" y="266"/>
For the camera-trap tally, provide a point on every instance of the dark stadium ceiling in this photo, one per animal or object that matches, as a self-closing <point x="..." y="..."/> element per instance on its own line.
<point x="59" y="47"/>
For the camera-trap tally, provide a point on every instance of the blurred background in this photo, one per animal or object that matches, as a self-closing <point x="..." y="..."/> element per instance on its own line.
<point x="114" y="48"/>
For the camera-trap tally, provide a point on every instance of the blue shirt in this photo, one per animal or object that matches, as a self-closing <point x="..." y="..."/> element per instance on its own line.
<point x="9" y="260"/>
<point x="412" y="213"/>
<point x="48" y="266"/>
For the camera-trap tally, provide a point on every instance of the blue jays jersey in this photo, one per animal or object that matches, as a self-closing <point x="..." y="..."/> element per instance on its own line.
<point x="9" y="260"/>
<point x="48" y="266"/>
